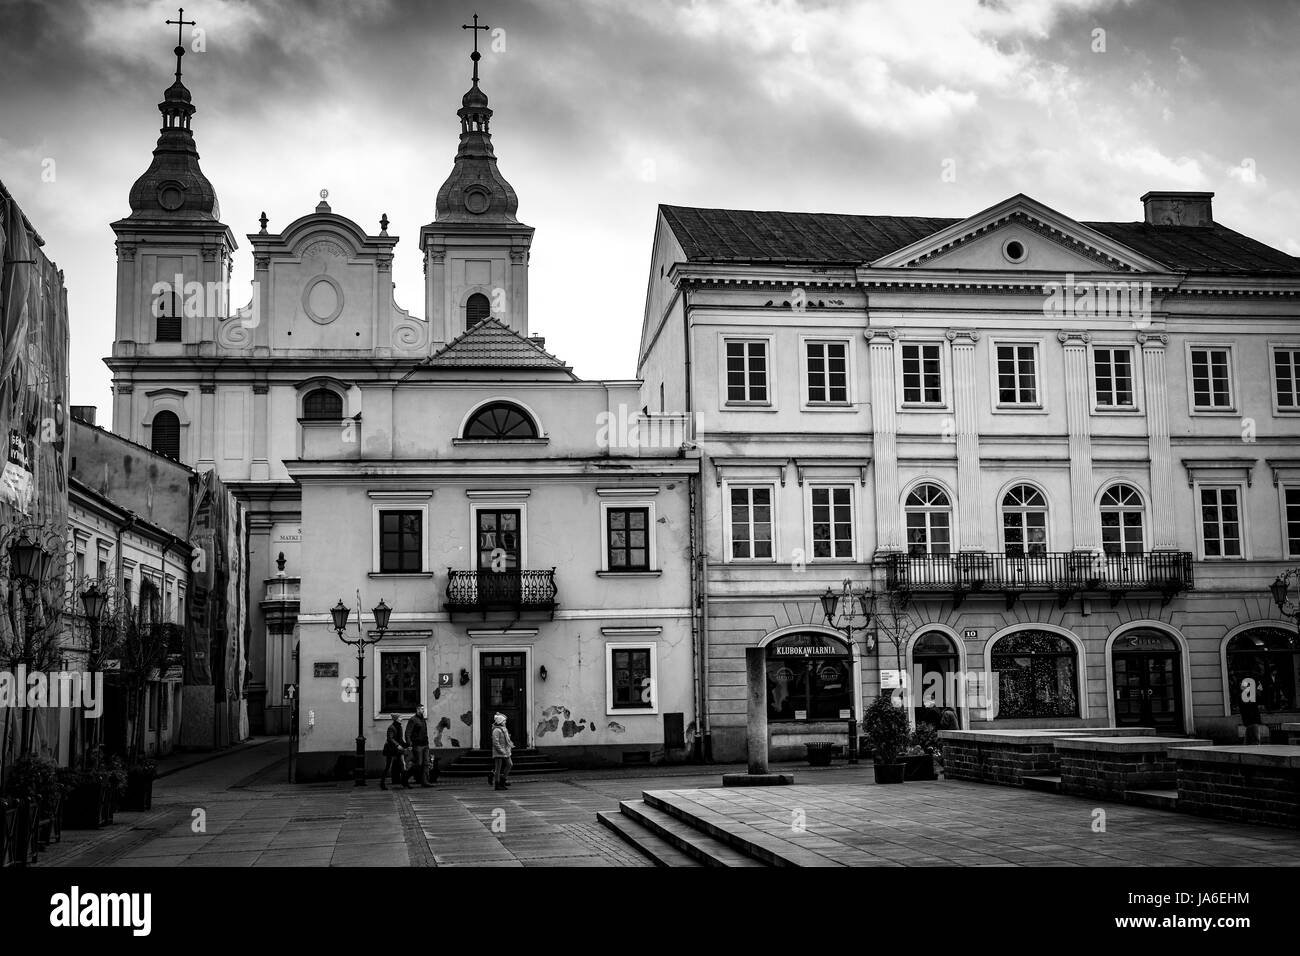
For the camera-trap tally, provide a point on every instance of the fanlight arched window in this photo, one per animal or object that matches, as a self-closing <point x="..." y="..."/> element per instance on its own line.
<point x="501" y="421"/>
<point x="1024" y="521"/>
<point x="1121" y="521"/>
<point x="322" y="405"/>
<point x="929" y="521"/>
<point x="165" y="435"/>
<point x="477" y="308"/>
<point x="1037" y="674"/>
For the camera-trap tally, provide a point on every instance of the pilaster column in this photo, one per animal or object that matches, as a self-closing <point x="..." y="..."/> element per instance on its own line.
<point x="1078" y="424"/>
<point x="1164" y="536"/>
<point x="972" y="534"/>
<point x="884" y="438"/>
<point x="261" y="468"/>
<point x="124" y="423"/>
<point x="207" y="426"/>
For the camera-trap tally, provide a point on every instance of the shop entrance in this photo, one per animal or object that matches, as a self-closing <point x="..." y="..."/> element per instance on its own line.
<point x="1148" y="681"/>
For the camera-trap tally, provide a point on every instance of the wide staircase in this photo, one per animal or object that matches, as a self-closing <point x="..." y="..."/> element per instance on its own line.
<point x="528" y="762"/>
<point x="671" y="831"/>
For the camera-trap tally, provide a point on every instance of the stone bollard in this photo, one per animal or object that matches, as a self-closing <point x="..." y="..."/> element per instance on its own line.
<point x="756" y="726"/>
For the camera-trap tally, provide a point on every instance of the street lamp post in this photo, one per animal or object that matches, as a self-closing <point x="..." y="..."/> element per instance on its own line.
<point x="340" y="613"/>
<point x="831" y="604"/>
<point x="92" y="602"/>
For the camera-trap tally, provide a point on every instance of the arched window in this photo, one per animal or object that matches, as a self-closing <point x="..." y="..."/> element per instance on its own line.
<point x="1270" y="657"/>
<point x="501" y="421"/>
<point x="809" y="677"/>
<point x="929" y="521"/>
<point x="1037" y="675"/>
<point x="1024" y="521"/>
<point x="165" y="435"/>
<point x="322" y="405"/>
<point x="1121" y="521"/>
<point x="477" y="308"/>
<point x="167" y="316"/>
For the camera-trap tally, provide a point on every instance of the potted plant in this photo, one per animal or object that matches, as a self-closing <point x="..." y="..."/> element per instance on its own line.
<point x="116" y="783"/>
<point x="820" y="753"/>
<point x="139" y="785"/>
<point x="885" y="723"/>
<point x="33" y="785"/>
<point x="88" y="800"/>
<point x="922" y="750"/>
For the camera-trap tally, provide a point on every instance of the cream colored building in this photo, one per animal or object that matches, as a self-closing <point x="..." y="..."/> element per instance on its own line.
<point x="1069" y="449"/>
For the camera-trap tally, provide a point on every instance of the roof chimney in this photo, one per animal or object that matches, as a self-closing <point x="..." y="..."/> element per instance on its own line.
<point x="1178" y="209"/>
<point x="84" y="413"/>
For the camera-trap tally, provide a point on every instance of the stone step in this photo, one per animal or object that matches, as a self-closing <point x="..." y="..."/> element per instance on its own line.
<point x="1046" y="782"/>
<point x="535" y="770"/>
<point x="1156" y="799"/>
<point x="700" y="846"/>
<point x="658" y="850"/>
<point x="761" y="846"/>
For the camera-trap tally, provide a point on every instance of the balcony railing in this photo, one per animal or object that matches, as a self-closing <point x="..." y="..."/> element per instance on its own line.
<point x="517" y="591"/>
<point x="1062" y="573"/>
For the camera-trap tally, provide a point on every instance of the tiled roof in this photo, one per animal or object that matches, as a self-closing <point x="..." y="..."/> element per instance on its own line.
<point x="493" y="345"/>
<point x="738" y="235"/>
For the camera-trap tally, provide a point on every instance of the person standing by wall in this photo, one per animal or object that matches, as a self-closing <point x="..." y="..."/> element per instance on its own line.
<point x="394" y="746"/>
<point x="502" y="746"/>
<point x="417" y="738"/>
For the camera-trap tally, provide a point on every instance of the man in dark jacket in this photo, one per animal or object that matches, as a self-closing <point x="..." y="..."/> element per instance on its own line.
<point x="417" y="736"/>
<point x="393" y="747"/>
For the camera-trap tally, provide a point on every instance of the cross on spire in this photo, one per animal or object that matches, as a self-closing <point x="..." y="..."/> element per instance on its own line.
<point x="475" y="56"/>
<point x="181" y="24"/>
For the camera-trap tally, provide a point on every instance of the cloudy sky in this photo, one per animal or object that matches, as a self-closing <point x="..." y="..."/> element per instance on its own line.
<point x="605" y="108"/>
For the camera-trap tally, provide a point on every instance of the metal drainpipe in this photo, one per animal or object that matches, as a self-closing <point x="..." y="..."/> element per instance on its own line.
<point x="699" y="562"/>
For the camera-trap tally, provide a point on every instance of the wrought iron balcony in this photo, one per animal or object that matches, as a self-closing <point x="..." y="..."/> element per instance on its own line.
<point x="1064" y="574"/>
<point x="516" y="591"/>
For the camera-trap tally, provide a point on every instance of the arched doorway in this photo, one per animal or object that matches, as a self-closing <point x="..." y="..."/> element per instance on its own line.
<point x="809" y="677"/>
<point x="1147" y="680"/>
<point x="935" y="667"/>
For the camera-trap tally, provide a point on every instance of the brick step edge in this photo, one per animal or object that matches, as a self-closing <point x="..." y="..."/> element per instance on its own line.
<point x="685" y="837"/>
<point x="644" y="840"/>
<point x="758" y="848"/>
<point x="1156" y="799"/>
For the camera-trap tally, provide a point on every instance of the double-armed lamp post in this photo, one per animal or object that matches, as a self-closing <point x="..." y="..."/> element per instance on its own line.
<point x="340" y="613"/>
<point x="842" y="610"/>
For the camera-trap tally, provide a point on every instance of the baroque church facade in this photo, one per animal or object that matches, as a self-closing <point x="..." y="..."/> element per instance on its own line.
<point x="532" y="553"/>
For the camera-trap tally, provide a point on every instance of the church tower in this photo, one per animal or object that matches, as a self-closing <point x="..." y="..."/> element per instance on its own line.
<point x="173" y="270"/>
<point x="475" y="251"/>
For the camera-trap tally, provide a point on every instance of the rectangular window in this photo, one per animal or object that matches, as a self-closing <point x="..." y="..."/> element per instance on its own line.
<point x="1114" y="376"/>
<point x="1211" y="379"/>
<point x="832" y="522"/>
<point x="631" y="679"/>
<point x="629" y="538"/>
<point x="80" y="566"/>
<point x="1221" y="522"/>
<point x="399" y="681"/>
<point x="1286" y="377"/>
<point x="751" y="523"/>
<point x="922" y="375"/>
<point x="747" y="371"/>
<point x="401" y="542"/>
<point x="1017" y="375"/>
<point x="828" y="373"/>
<point x="1293" y="522"/>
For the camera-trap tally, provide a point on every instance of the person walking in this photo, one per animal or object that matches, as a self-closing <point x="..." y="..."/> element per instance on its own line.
<point x="502" y="745"/>
<point x="417" y="737"/>
<point x="394" y="747"/>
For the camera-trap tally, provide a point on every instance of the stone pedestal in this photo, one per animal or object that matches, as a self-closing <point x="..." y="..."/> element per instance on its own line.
<point x="756" y="727"/>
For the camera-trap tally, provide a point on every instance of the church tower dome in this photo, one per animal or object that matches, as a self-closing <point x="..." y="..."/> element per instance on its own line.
<point x="476" y="191"/>
<point x="174" y="187"/>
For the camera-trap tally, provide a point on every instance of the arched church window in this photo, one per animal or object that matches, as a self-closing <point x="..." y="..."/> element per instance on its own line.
<point x="165" y="435"/>
<point x="477" y="308"/>
<point x="322" y="405"/>
<point x="501" y="421"/>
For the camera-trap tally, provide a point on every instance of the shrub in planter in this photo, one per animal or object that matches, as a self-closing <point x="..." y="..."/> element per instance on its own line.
<point x="139" y="785"/>
<point x="8" y="831"/>
<point x="88" y="803"/>
<point x="117" y="783"/>
<point x="885" y="723"/>
<point x="34" y="783"/>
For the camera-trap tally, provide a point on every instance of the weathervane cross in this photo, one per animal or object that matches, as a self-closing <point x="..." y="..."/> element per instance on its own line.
<point x="475" y="56"/>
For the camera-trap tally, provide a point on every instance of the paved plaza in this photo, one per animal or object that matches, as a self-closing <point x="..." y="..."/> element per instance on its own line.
<point x="239" y="810"/>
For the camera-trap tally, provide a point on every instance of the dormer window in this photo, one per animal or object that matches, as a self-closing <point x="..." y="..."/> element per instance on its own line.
<point x="501" y="421"/>
<point x="477" y="309"/>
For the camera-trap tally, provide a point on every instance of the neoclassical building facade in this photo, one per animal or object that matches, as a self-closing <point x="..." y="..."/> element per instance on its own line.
<point x="1063" y="456"/>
